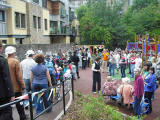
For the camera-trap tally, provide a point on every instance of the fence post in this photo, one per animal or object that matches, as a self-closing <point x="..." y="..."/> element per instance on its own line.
<point x="30" y="104"/>
<point x="63" y="97"/>
<point x="72" y="87"/>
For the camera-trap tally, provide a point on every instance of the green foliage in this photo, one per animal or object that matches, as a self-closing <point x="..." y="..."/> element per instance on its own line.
<point x="102" y="23"/>
<point x="139" y="4"/>
<point x="78" y="94"/>
<point x="95" y="109"/>
<point x="142" y="21"/>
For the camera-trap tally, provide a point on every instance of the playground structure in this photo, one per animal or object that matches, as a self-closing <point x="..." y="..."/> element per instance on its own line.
<point x="146" y="45"/>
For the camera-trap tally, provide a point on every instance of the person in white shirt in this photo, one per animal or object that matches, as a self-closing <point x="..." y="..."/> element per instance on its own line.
<point x="26" y="66"/>
<point x="138" y="62"/>
<point x="117" y="57"/>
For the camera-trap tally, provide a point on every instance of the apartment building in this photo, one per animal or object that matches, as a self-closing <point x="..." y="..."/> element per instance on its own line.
<point x="24" y="22"/>
<point x="60" y="26"/>
<point x="4" y="6"/>
<point x="13" y="21"/>
<point x="38" y="21"/>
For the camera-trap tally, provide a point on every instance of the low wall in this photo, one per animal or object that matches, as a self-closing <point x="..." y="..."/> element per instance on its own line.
<point x="21" y="49"/>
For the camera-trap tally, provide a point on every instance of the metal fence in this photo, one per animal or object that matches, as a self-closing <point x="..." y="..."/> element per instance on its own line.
<point x="66" y="85"/>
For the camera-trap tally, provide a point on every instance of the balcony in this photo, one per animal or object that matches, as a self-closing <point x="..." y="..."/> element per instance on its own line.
<point x="4" y="4"/>
<point x="63" y="13"/>
<point x="62" y="32"/>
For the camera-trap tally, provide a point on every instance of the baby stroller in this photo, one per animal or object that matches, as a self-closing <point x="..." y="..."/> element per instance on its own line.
<point x="145" y="104"/>
<point x="58" y="88"/>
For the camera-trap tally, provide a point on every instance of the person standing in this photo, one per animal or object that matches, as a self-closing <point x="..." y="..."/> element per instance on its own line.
<point x="75" y="59"/>
<point x="40" y="79"/>
<point x="105" y="58"/>
<point x="26" y="66"/>
<point x="132" y="63"/>
<point x="117" y="57"/>
<point x="6" y="88"/>
<point x="17" y="79"/>
<point x="150" y="86"/>
<point x="96" y="75"/>
<point x="84" y="59"/>
<point x="128" y="61"/>
<point x="138" y="92"/>
<point x="123" y="66"/>
<point x="112" y="64"/>
<point x="138" y="62"/>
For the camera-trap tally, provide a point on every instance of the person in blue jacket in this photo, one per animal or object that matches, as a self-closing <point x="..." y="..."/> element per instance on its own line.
<point x="150" y="86"/>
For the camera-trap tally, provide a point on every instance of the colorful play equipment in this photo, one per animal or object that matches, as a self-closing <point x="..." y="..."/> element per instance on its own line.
<point x="146" y="45"/>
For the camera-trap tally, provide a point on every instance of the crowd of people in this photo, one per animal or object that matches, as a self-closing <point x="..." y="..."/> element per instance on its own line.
<point x="146" y="77"/>
<point x="39" y="71"/>
<point x="36" y="72"/>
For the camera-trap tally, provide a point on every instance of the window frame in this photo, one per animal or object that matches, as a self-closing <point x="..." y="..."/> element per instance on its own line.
<point x="34" y="22"/>
<point x="39" y="22"/>
<point x="46" y="24"/>
<point x="17" y="20"/>
<point x="3" y="16"/>
<point x="23" y="21"/>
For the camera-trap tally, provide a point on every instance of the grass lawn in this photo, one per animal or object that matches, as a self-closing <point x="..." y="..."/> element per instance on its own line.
<point x="118" y="76"/>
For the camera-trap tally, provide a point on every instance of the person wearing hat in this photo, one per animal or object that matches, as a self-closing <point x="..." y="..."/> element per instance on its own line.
<point x="6" y="88"/>
<point x="96" y="75"/>
<point x="26" y="66"/>
<point x="17" y="78"/>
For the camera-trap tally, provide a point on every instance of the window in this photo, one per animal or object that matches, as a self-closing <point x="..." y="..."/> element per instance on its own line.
<point x="19" y="40"/>
<point x="39" y="23"/>
<point x="23" y="22"/>
<point x="44" y="3"/>
<point x="45" y="24"/>
<point x="20" y="20"/>
<point x="36" y="1"/>
<point x="34" y="22"/>
<point x="4" y="41"/>
<point x="2" y="16"/>
<point x="54" y="27"/>
<point x="17" y="19"/>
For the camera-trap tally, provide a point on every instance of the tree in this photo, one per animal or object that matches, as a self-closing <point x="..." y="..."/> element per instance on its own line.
<point x="109" y="24"/>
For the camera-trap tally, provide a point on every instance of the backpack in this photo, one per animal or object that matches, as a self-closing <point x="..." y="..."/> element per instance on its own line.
<point x="49" y="65"/>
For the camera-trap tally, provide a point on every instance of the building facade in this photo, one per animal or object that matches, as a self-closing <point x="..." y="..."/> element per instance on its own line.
<point x="60" y="24"/>
<point x="24" y="22"/>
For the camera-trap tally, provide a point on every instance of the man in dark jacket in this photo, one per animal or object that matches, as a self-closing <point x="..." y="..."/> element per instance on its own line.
<point x="6" y="88"/>
<point x="75" y="59"/>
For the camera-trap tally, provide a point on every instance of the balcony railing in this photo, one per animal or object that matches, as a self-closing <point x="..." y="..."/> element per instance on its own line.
<point x="53" y="32"/>
<point x="4" y="4"/>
